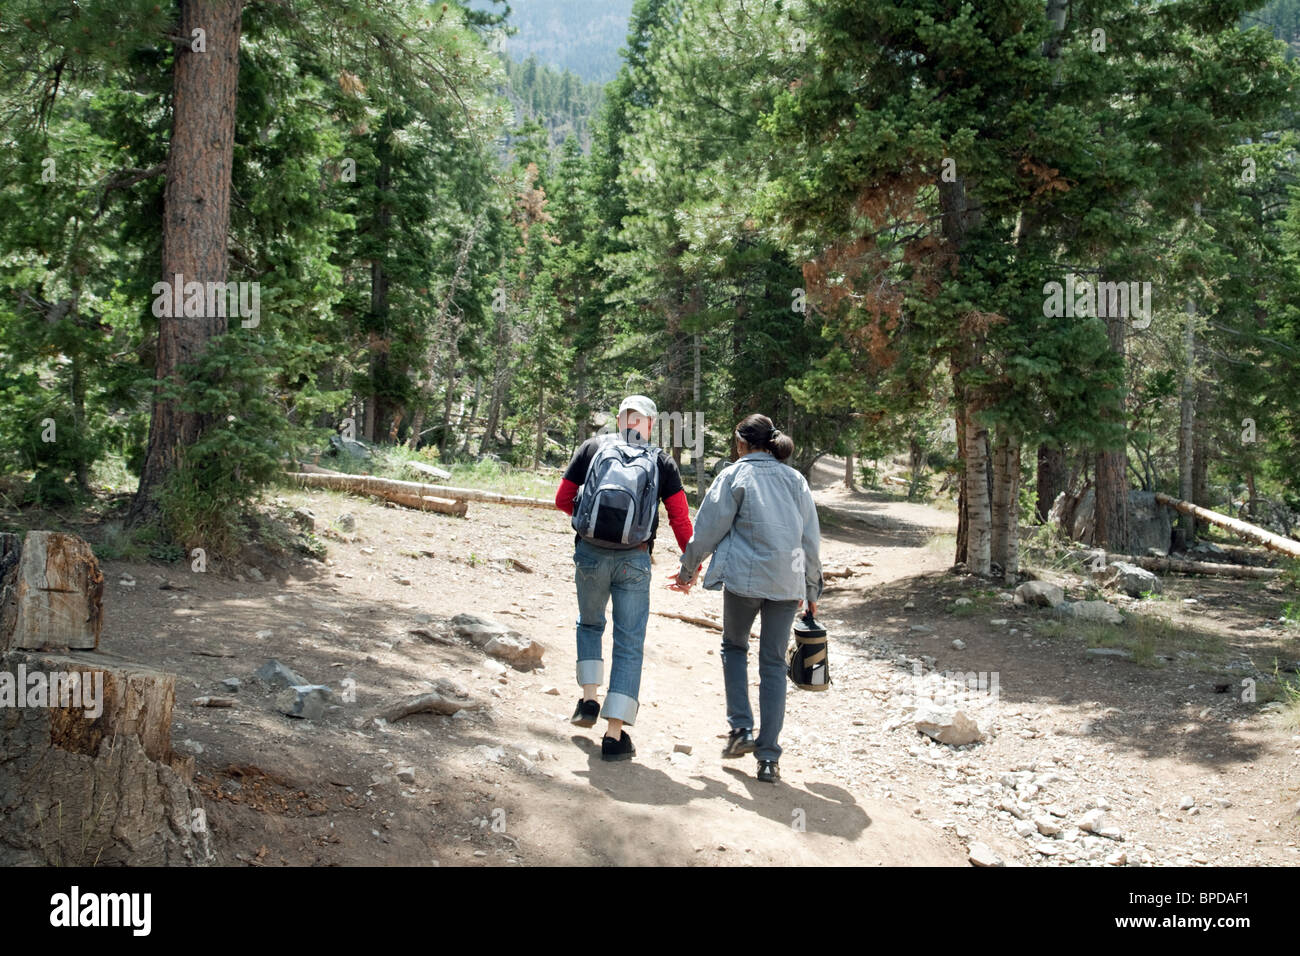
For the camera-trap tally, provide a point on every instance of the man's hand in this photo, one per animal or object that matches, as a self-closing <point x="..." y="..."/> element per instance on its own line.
<point x="675" y="585"/>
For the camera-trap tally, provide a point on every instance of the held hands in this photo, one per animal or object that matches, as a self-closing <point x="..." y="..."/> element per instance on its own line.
<point x="675" y="585"/>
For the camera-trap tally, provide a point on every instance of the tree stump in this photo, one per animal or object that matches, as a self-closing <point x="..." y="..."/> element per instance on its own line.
<point x="51" y="593"/>
<point x="88" y="776"/>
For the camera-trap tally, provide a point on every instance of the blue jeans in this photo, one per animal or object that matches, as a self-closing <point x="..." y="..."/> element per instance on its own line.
<point x="624" y="576"/>
<point x="738" y="614"/>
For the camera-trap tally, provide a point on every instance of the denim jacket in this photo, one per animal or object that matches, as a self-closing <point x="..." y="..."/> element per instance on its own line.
<point x="760" y="518"/>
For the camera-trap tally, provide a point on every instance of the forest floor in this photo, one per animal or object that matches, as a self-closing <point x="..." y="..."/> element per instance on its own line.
<point x="1185" y="775"/>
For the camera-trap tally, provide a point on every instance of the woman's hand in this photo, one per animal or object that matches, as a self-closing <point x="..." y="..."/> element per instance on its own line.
<point x="675" y="585"/>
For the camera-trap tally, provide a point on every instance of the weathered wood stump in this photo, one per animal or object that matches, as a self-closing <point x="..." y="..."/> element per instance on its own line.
<point x="87" y="772"/>
<point x="52" y="593"/>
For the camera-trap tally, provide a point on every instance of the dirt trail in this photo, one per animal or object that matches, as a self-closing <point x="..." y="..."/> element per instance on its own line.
<point x="518" y="784"/>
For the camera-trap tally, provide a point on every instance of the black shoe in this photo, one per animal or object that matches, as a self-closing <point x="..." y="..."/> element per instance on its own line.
<point x="585" y="714"/>
<point x="768" y="772"/>
<point x="739" y="743"/>
<point x="621" y="749"/>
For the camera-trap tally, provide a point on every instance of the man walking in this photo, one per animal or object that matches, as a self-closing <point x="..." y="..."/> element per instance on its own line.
<point x="612" y="489"/>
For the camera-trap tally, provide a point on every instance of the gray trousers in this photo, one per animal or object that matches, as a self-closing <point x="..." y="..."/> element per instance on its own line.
<point x="738" y="613"/>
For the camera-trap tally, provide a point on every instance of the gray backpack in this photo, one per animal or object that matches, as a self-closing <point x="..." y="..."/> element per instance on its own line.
<point x="620" y="495"/>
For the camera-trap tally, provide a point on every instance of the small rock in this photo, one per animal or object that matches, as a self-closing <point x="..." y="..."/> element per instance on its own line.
<point x="1046" y="825"/>
<point x="1025" y="828"/>
<point x="1118" y="858"/>
<point x="521" y="652"/>
<point x="277" y="675"/>
<point x="1186" y="802"/>
<point x="553" y="691"/>
<point x="1131" y="579"/>
<point x="406" y="774"/>
<point x="946" y="725"/>
<point x="306" y="701"/>
<point x="1096" y="612"/>
<point x="346" y="522"/>
<point x="232" y="684"/>
<point x="254" y="573"/>
<point x="304" y="518"/>
<point x="682" y="749"/>
<point x="958" y="644"/>
<point x="1039" y="594"/>
<point x="1091" y="821"/>
<point x="1108" y="652"/>
<point x="965" y="602"/>
<point x="981" y="854"/>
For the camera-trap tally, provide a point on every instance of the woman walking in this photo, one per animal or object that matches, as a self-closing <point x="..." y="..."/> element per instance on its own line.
<point x="760" y="519"/>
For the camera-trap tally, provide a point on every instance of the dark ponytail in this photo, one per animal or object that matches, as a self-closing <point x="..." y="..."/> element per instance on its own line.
<point x="759" y="433"/>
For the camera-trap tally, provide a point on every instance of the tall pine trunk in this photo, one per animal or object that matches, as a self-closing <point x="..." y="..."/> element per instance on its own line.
<point x="979" y="510"/>
<point x="1050" y="480"/>
<point x="196" y="219"/>
<point x="1111" y="522"/>
<point x="1186" y="532"/>
<point x="1006" y="505"/>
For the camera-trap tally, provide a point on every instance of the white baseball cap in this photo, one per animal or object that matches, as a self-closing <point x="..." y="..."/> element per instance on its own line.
<point x="639" y="403"/>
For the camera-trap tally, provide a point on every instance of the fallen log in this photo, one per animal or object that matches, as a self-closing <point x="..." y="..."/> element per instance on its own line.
<point x="409" y="494"/>
<point x="1274" y="542"/>
<point x="698" y="621"/>
<point x="446" y="506"/>
<point x="442" y="701"/>
<point x="1175" y="566"/>
<point x="360" y="484"/>
<point x="845" y="572"/>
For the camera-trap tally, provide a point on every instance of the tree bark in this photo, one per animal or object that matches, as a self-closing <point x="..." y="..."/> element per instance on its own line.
<point x="1111" y="522"/>
<point x="196" y="221"/>
<point x="1186" y="531"/>
<point x="697" y="433"/>
<point x="978" y="507"/>
<point x="1006" y="506"/>
<point x="1051" y="480"/>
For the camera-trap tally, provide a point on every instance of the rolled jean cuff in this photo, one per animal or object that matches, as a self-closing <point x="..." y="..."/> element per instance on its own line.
<point x="620" y="707"/>
<point x="591" y="672"/>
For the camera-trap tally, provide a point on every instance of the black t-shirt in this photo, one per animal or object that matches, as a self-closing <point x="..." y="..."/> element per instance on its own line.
<point x="670" y="479"/>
